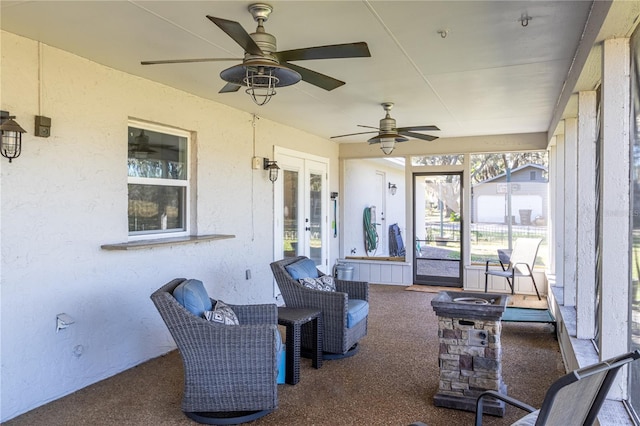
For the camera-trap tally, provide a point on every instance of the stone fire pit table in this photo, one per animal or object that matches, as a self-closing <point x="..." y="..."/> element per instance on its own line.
<point x="469" y="327"/>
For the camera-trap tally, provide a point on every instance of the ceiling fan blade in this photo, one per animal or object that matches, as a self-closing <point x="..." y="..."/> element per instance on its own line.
<point x="238" y="34"/>
<point x="347" y="50"/>
<point x="229" y="87"/>
<point x="412" y="128"/>
<point x="417" y="135"/>
<point x="351" y="134"/>
<point x="312" y="77"/>
<point x="186" y="61"/>
<point x="368" y="127"/>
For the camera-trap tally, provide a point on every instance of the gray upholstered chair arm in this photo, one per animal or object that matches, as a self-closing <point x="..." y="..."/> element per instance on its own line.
<point x="321" y="299"/>
<point x="333" y="304"/>
<point x="249" y="344"/>
<point x="211" y="333"/>
<point x="256" y="314"/>
<point x="355" y="289"/>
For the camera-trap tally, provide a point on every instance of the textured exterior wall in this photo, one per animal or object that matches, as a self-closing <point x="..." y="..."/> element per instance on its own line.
<point x="67" y="195"/>
<point x="360" y="191"/>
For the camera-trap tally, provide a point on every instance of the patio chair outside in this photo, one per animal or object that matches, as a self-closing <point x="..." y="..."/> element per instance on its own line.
<point x="230" y="371"/>
<point x="573" y="399"/>
<point x="339" y="340"/>
<point x="520" y="264"/>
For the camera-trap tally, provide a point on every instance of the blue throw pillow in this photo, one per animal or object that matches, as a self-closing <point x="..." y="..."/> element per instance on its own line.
<point x="304" y="268"/>
<point x="193" y="296"/>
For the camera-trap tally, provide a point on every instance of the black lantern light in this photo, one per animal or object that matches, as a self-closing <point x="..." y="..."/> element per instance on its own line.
<point x="10" y="136"/>
<point x="273" y="168"/>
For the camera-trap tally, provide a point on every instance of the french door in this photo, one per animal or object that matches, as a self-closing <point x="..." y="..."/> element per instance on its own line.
<point x="301" y="207"/>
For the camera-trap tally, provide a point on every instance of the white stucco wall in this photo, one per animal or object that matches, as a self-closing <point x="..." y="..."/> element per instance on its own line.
<point x="67" y="195"/>
<point x="360" y="191"/>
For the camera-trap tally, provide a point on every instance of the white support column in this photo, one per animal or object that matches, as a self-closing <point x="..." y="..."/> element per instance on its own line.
<point x="614" y="211"/>
<point x="586" y="238"/>
<point x="551" y="207"/>
<point x="570" y="209"/>
<point x="558" y="237"/>
<point x="466" y="215"/>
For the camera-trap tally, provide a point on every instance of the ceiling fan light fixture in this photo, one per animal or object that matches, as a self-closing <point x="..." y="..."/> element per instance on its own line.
<point x="261" y="78"/>
<point x="387" y="141"/>
<point x="387" y="145"/>
<point x="261" y="84"/>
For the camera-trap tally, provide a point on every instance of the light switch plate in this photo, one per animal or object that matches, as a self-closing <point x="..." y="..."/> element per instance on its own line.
<point x="256" y="163"/>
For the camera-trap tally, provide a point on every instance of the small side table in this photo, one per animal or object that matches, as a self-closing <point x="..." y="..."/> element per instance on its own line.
<point x="293" y="319"/>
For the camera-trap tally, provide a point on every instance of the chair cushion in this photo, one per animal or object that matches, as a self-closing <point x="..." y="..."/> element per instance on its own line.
<point x="357" y="310"/>
<point x="222" y="314"/>
<point x="324" y="283"/>
<point x="303" y="268"/>
<point x="193" y="296"/>
<point x="281" y="363"/>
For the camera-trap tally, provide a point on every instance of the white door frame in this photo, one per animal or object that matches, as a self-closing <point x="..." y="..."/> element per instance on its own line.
<point x="304" y="164"/>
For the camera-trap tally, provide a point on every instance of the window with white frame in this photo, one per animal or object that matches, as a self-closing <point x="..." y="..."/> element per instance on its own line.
<point x="158" y="181"/>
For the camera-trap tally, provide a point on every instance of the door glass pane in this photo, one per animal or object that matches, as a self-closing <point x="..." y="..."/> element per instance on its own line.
<point x="437" y="225"/>
<point x="315" y="209"/>
<point x="290" y="213"/>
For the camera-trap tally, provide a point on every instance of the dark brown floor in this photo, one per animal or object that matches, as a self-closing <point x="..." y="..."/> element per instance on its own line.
<point x="391" y="381"/>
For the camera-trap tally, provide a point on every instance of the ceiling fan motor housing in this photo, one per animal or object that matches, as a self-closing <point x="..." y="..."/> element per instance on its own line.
<point x="387" y="124"/>
<point x="267" y="43"/>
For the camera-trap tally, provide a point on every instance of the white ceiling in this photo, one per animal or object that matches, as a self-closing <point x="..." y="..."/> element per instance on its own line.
<point x="490" y="75"/>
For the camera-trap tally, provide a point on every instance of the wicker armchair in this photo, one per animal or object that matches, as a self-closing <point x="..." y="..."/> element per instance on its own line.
<point x="339" y="341"/>
<point x="230" y="371"/>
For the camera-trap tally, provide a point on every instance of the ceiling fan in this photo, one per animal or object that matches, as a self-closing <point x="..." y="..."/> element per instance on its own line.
<point x="263" y="68"/>
<point x="389" y="134"/>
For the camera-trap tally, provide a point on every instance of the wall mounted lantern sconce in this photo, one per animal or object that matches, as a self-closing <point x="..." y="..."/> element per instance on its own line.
<point x="10" y="136"/>
<point x="393" y="188"/>
<point x="273" y="168"/>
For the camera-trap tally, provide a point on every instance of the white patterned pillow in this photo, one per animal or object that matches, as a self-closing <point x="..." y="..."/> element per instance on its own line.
<point x="324" y="283"/>
<point x="222" y="314"/>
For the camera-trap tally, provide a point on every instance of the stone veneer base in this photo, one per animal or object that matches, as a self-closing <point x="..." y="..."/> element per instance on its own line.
<point x="492" y="407"/>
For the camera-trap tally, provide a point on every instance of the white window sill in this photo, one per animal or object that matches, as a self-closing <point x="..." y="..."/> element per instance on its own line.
<point x="145" y="244"/>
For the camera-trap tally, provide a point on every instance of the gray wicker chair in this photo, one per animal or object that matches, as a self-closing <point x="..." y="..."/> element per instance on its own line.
<point x="230" y="371"/>
<point x="338" y="340"/>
